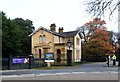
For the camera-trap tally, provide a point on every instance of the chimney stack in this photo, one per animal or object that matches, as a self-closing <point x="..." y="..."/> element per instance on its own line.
<point x="53" y="27"/>
<point x="60" y="30"/>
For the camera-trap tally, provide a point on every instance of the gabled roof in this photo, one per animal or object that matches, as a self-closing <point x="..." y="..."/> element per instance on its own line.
<point x="63" y="34"/>
<point x="45" y="29"/>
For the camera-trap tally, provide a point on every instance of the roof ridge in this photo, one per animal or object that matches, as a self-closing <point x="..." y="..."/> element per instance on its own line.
<point x="63" y="34"/>
<point x="71" y="31"/>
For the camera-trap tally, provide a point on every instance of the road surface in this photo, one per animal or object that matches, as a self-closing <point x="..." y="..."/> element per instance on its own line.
<point x="92" y="71"/>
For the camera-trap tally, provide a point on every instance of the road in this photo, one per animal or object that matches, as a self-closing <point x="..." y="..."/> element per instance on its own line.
<point x="92" y="71"/>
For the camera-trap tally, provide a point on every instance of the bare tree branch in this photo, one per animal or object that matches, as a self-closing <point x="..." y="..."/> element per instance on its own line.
<point x="98" y="7"/>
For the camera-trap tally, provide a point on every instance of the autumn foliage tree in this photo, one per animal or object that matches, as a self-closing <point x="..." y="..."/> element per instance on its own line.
<point x="97" y="43"/>
<point x="93" y="26"/>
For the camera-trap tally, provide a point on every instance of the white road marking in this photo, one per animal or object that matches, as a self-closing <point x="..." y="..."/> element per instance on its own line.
<point x="78" y="72"/>
<point x="63" y="73"/>
<point x="44" y="74"/>
<point x="26" y="75"/>
<point x="9" y="76"/>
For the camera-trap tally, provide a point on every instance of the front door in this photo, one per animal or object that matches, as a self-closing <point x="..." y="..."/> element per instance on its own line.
<point x="39" y="53"/>
<point x="69" y="57"/>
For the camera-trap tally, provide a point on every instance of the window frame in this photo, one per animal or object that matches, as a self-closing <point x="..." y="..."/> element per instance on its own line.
<point x="44" y="38"/>
<point x="40" y="39"/>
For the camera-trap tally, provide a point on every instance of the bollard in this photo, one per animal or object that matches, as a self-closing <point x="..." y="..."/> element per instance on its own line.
<point x="108" y="61"/>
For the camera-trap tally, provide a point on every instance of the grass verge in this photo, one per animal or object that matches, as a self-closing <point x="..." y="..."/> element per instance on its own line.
<point x="61" y="65"/>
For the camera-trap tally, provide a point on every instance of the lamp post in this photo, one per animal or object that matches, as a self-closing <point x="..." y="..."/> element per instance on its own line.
<point x="69" y="43"/>
<point x="119" y="33"/>
<point x="119" y="51"/>
<point x="69" y="53"/>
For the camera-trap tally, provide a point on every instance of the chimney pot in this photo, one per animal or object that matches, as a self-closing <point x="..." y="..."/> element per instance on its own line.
<point x="53" y="27"/>
<point x="60" y="30"/>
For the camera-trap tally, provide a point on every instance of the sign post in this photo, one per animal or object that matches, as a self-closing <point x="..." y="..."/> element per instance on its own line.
<point x="49" y="57"/>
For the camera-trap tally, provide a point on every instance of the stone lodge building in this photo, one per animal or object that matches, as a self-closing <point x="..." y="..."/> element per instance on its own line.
<point x="45" y="40"/>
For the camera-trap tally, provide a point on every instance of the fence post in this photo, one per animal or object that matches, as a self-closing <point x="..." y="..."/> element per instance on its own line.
<point x="9" y="61"/>
<point x="30" y="61"/>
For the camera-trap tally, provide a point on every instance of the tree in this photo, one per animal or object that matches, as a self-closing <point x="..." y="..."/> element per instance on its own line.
<point x="26" y="27"/>
<point x="99" y="7"/>
<point x="15" y="39"/>
<point x="10" y="37"/>
<point x="98" y="46"/>
<point x="97" y="39"/>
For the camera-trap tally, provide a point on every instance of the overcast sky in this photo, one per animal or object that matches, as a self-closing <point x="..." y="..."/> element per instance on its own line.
<point x="68" y="14"/>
